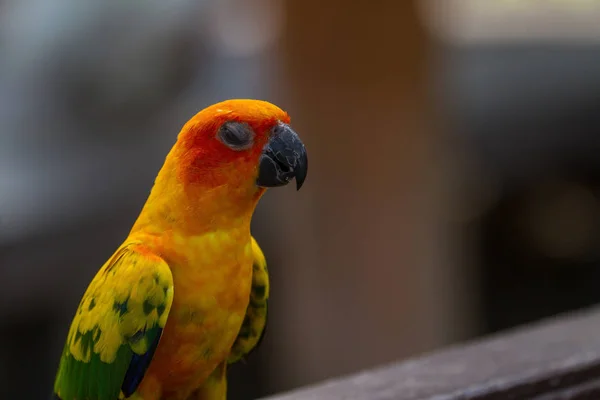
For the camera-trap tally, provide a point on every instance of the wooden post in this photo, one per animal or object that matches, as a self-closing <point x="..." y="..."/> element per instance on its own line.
<point x="363" y="273"/>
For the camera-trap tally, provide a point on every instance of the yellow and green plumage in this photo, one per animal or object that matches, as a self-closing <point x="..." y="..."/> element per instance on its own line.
<point x="115" y="323"/>
<point x="186" y="293"/>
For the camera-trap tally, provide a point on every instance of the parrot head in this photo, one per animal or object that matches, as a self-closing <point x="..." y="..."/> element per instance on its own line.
<point x="246" y="145"/>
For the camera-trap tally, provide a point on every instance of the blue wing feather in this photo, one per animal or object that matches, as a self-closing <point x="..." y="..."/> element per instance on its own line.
<point x="139" y="364"/>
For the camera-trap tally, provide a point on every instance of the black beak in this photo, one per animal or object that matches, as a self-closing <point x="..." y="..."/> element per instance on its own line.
<point x="283" y="158"/>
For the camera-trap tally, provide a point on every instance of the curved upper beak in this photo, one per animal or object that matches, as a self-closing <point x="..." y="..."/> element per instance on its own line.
<point x="283" y="158"/>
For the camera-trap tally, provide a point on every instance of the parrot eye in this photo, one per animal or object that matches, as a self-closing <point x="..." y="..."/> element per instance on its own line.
<point x="236" y="135"/>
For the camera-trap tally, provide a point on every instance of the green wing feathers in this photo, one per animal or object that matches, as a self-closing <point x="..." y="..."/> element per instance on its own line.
<point x="116" y="328"/>
<point x="253" y="327"/>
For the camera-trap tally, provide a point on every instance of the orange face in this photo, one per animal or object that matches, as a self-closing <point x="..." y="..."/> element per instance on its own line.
<point x="241" y="143"/>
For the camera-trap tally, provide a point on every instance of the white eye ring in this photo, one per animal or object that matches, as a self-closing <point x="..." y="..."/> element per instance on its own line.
<point x="237" y="136"/>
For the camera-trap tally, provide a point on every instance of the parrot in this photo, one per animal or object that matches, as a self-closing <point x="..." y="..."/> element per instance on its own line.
<point x="185" y="294"/>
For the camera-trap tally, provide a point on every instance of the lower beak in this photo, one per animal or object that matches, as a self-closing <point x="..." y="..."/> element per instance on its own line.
<point x="283" y="158"/>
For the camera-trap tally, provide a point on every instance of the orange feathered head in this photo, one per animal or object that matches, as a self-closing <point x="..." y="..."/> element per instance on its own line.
<point x="241" y="143"/>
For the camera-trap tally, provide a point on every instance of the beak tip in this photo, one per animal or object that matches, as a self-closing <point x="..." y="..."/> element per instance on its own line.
<point x="302" y="170"/>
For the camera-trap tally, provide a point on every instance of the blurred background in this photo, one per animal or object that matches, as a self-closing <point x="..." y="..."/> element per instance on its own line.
<point x="454" y="173"/>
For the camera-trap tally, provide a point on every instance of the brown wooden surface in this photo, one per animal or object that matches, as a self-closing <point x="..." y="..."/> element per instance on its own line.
<point x="551" y="360"/>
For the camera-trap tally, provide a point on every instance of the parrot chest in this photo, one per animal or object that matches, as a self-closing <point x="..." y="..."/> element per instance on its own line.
<point x="212" y="278"/>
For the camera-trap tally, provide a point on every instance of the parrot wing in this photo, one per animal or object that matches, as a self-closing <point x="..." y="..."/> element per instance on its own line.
<point x="255" y="321"/>
<point x="117" y="327"/>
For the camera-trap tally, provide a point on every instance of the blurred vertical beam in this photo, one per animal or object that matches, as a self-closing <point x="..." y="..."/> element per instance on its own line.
<point x="368" y="274"/>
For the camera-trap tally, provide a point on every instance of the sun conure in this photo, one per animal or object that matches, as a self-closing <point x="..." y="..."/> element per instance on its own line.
<point x="186" y="293"/>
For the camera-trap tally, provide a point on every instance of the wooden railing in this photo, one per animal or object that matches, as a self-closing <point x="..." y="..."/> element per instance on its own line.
<point x="551" y="360"/>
